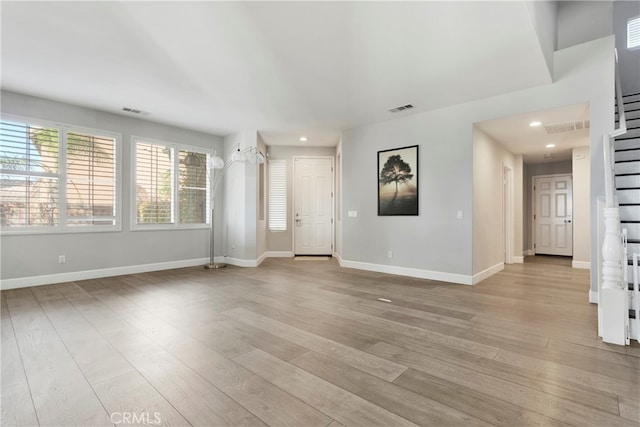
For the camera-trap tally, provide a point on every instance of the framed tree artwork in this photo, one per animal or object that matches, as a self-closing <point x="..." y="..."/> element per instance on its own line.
<point x="398" y="181"/>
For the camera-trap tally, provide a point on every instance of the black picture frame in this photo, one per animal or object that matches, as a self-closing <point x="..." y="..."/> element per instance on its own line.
<point x="398" y="181"/>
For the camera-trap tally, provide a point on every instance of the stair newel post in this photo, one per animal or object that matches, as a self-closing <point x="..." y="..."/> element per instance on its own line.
<point x="614" y="295"/>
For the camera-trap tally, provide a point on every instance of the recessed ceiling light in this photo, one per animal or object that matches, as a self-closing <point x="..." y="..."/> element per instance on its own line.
<point x="550" y="145"/>
<point x="303" y="139"/>
<point x="534" y="124"/>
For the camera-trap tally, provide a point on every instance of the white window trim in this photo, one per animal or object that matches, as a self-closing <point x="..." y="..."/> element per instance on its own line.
<point x="62" y="227"/>
<point x="176" y="225"/>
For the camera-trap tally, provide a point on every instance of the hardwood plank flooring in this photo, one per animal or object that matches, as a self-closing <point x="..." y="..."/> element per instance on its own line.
<point x="309" y="344"/>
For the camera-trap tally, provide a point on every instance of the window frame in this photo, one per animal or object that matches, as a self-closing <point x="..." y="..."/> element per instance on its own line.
<point x="62" y="227"/>
<point x="175" y="202"/>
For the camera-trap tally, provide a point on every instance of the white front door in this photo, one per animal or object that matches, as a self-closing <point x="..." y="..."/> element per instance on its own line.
<point x="553" y="215"/>
<point x="313" y="206"/>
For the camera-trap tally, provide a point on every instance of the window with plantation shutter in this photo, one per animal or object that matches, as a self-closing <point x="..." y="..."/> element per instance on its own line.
<point x="633" y="33"/>
<point x="154" y="184"/>
<point x="277" y="197"/>
<point x="57" y="178"/>
<point x="171" y="185"/>
<point x="91" y="179"/>
<point x="192" y="187"/>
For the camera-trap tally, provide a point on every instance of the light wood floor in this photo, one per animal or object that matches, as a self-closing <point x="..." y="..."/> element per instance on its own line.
<point x="309" y="344"/>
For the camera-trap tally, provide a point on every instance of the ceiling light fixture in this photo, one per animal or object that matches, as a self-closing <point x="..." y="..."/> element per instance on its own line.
<point x="535" y="124"/>
<point x="303" y="139"/>
<point x="550" y="145"/>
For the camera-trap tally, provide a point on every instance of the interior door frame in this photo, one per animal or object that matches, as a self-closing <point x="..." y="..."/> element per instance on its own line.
<point x="533" y="204"/>
<point x="293" y="200"/>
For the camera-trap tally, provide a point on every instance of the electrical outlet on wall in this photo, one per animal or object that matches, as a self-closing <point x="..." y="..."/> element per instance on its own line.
<point x="389" y="254"/>
<point x="62" y="259"/>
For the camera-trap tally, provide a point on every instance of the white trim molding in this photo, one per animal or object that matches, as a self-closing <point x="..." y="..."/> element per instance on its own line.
<point x="241" y="262"/>
<point x="586" y="265"/>
<point x="462" y="279"/>
<point x="279" y="254"/>
<point x="517" y="259"/>
<point x="49" y="279"/>
<point x="484" y="274"/>
<point x="593" y="297"/>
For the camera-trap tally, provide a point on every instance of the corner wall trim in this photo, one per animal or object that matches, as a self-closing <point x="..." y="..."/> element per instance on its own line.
<point x="581" y="264"/>
<point x="484" y="274"/>
<point x="48" y="279"/>
<point x="517" y="259"/>
<point x="593" y="297"/>
<point x="461" y="279"/>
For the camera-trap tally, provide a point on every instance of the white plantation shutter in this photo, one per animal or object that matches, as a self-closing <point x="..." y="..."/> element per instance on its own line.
<point x="633" y="33"/>
<point x="154" y="183"/>
<point x="91" y="179"/>
<point x="193" y="196"/>
<point x="28" y="175"/>
<point x="55" y="178"/>
<point x="277" y="195"/>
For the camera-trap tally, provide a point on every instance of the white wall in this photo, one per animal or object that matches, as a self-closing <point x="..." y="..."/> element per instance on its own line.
<point x="489" y="159"/>
<point x="581" y="212"/>
<point x="25" y="256"/>
<point x="436" y="241"/>
<point x="583" y="21"/>
<point x="240" y="203"/>
<point x="282" y="241"/>
<point x="544" y="15"/>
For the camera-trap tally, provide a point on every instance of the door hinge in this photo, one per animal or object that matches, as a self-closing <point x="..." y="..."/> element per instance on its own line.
<point x="332" y="194"/>
<point x="534" y="246"/>
<point x="331" y="220"/>
<point x="534" y="216"/>
<point x="331" y="169"/>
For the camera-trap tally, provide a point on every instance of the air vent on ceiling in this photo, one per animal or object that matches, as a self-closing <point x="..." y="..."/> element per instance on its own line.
<point x="548" y="155"/>
<point x="401" y="108"/>
<point x="134" y="111"/>
<point x="567" y="127"/>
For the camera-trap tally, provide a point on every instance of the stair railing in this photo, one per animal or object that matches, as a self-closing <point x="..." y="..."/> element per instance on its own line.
<point x="613" y="297"/>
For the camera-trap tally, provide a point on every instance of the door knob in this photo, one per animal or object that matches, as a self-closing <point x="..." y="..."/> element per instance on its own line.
<point x="567" y="220"/>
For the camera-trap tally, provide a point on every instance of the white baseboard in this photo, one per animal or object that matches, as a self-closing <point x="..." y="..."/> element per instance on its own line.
<point x="517" y="259"/>
<point x="581" y="264"/>
<point x="529" y="252"/>
<point x="479" y="277"/>
<point x="261" y="258"/>
<point x="337" y="257"/>
<point x="593" y="297"/>
<point x="241" y="262"/>
<point x="279" y="254"/>
<point x="462" y="279"/>
<point x="48" y="279"/>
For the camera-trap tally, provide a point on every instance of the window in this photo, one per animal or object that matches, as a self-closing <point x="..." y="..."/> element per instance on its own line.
<point x="277" y="195"/>
<point x="56" y="178"/>
<point x="633" y="33"/>
<point x="171" y="185"/>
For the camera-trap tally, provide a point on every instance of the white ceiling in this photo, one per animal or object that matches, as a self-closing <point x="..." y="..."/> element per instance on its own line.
<point x="282" y="68"/>
<point x="518" y="137"/>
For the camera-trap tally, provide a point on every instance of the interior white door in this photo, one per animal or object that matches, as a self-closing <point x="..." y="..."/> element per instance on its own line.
<point x="313" y="206"/>
<point x="553" y="215"/>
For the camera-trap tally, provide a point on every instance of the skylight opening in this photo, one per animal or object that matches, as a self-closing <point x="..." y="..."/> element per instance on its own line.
<point x="633" y="33"/>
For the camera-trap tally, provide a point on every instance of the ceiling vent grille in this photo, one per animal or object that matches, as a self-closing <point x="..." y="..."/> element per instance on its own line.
<point x="401" y="108"/>
<point x="567" y="127"/>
